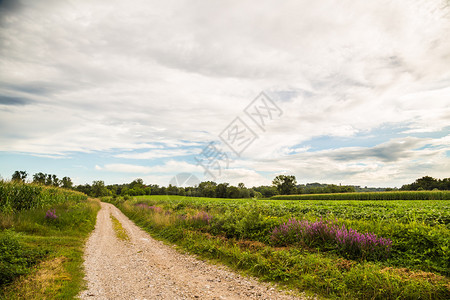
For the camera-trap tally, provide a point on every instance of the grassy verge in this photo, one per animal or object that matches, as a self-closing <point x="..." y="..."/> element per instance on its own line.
<point x="238" y="234"/>
<point x="52" y="241"/>
<point x="119" y="230"/>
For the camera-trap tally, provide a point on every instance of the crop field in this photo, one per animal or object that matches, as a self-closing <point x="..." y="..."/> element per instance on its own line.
<point x="17" y="196"/>
<point x="393" y="195"/>
<point x="353" y="249"/>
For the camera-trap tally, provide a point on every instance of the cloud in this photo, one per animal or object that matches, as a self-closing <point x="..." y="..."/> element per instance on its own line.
<point x="392" y="163"/>
<point x="391" y="151"/>
<point x="175" y="74"/>
<point x="170" y="167"/>
<point x="125" y="168"/>
<point x="157" y="153"/>
<point x="5" y="100"/>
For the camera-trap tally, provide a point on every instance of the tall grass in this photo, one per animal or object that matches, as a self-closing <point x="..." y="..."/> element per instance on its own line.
<point x="17" y="196"/>
<point x="41" y="250"/>
<point x="396" y="195"/>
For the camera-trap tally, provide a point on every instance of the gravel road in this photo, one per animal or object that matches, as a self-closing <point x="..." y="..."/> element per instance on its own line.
<point x="145" y="268"/>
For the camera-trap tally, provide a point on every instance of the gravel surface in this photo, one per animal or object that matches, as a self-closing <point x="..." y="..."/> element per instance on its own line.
<point x="145" y="268"/>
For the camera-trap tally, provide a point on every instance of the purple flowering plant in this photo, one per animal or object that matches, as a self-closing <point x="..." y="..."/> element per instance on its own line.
<point x="153" y="208"/>
<point x="329" y="234"/>
<point x="51" y="214"/>
<point x="201" y="218"/>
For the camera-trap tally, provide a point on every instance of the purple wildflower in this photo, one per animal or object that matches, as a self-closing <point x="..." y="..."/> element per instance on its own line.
<point x="348" y="241"/>
<point x="202" y="217"/>
<point x="154" y="208"/>
<point x="142" y="205"/>
<point x="51" y="214"/>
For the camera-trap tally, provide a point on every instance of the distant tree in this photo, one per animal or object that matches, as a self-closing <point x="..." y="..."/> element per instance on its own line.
<point x="285" y="184"/>
<point x="266" y="191"/>
<point x="444" y="184"/>
<point x="427" y="183"/>
<point x="244" y="193"/>
<point x="136" y="183"/>
<point x="39" y="178"/>
<point x="181" y="191"/>
<point x="19" y="176"/>
<point x="124" y="191"/>
<point x="207" y="188"/>
<point x="55" y="180"/>
<point x="66" y="182"/>
<point x="233" y="192"/>
<point x="172" y="190"/>
<point x="148" y="190"/>
<point x="99" y="189"/>
<point x="221" y="190"/>
<point x="257" y="195"/>
<point x="48" y="180"/>
<point x="86" y="188"/>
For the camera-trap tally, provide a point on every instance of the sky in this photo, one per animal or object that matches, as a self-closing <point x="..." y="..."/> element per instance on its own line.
<point x="344" y="92"/>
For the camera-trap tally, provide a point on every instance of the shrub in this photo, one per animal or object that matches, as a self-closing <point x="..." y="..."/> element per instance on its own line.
<point x="347" y="242"/>
<point x="15" y="257"/>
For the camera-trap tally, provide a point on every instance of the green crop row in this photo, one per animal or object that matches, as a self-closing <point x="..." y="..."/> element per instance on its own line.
<point x="17" y="196"/>
<point x="396" y="195"/>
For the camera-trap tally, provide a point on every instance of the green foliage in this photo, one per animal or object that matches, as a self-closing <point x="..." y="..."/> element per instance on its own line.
<point x="99" y="189"/>
<point x="19" y="176"/>
<point x="317" y="188"/>
<point x="244" y="222"/>
<point x="16" y="196"/>
<point x="16" y="258"/>
<point x="427" y="183"/>
<point x="285" y="184"/>
<point x="396" y="195"/>
<point x="27" y="237"/>
<point x="52" y="180"/>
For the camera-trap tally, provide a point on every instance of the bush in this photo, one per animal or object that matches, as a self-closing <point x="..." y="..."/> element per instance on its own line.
<point x="16" y="258"/>
<point x="348" y="242"/>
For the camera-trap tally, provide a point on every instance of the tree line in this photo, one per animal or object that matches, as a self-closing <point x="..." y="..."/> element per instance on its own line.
<point x="281" y="185"/>
<point x="427" y="183"/>
<point x="44" y="179"/>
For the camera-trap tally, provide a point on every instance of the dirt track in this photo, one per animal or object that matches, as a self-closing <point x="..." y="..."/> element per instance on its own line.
<point x="145" y="268"/>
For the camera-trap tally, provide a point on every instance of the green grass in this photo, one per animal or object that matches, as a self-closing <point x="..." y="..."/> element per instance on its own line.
<point x="238" y="234"/>
<point x="119" y="230"/>
<point x="53" y="249"/>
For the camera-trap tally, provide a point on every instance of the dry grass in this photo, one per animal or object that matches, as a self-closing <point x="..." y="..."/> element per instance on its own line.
<point x="44" y="283"/>
<point x="6" y="220"/>
<point x="407" y="274"/>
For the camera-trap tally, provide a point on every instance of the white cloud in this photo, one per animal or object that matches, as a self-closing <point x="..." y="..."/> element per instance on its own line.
<point x="160" y="153"/>
<point x="170" y="167"/>
<point x="393" y="163"/>
<point x="169" y="77"/>
<point x="126" y="168"/>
